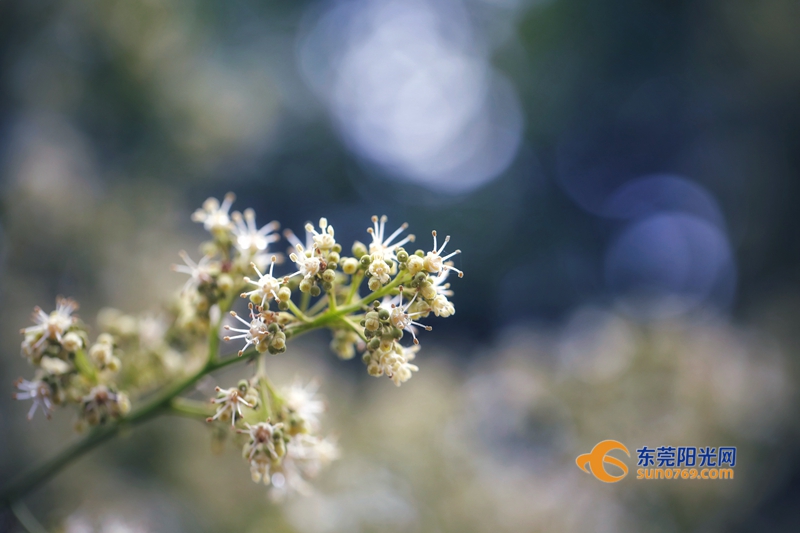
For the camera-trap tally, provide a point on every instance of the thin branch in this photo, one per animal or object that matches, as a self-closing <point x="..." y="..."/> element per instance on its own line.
<point x="163" y="401"/>
<point x="190" y="408"/>
<point x="297" y="312"/>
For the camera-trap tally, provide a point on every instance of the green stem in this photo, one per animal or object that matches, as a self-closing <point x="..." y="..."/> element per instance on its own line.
<point x="190" y="408"/>
<point x="272" y="390"/>
<point x="332" y="300"/>
<point x="297" y="312"/>
<point x="85" y="366"/>
<point x="330" y="317"/>
<point x="355" y="283"/>
<point x="318" y="306"/>
<point x="305" y="299"/>
<point x="357" y="329"/>
<point x="213" y="342"/>
<point x="164" y="400"/>
<point x="157" y="404"/>
<point x="263" y="388"/>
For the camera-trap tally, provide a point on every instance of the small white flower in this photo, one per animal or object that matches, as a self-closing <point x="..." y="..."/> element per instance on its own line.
<point x="384" y="247"/>
<point x="323" y="240"/>
<point x="399" y="316"/>
<point x="199" y="272"/>
<point x="434" y="262"/>
<point x="255" y="332"/>
<point x="260" y="450"/>
<point x="380" y="269"/>
<point x="50" y="326"/>
<point x="101" y="403"/>
<point x="101" y="352"/>
<point x="307" y="266"/>
<point x="250" y="240"/>
<point x="214" y="216"/>
<point x="302" y="401"/>
<point x="72" y="342"/>
<point x="230" y="401"/>
<point x="439" y="283"/>
<point x="395" y="363"/>
<point x="401" y="372"/>
<point x="39" y="392"/>
<point x="266" y="286"/>
<point x="442" y="307"/>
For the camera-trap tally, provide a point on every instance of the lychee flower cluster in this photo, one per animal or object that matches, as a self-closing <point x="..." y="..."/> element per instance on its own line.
<point x="69" y="369"/>
<point x="375" y="301"/>
<point x="278" y="431"/>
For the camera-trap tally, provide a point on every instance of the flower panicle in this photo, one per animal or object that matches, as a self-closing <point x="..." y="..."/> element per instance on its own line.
<point x="279" y="428"/>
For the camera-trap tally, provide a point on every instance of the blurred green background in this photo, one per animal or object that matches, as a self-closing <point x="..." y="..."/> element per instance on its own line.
<point x="621" y="176"/>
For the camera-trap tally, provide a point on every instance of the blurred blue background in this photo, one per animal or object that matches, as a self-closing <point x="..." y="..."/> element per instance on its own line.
<point x="615" y="173"/>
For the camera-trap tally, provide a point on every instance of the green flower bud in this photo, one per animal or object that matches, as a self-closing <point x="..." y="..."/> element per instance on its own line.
<point x="72" y="342"/>
<point x="365" y="261"/>
<point x="243" y="385"/>
<point x="279" y="341"/>
<point x="427" y="290"/>
<point x="337" y="248"/>
<point x="314" y="291"/>
<point x="305" y="286"/>
<point x="113" y="364"/>
<point x="123" y="404"/>
<point x="329" y="276"/>
<point x="374" y="344"/>
<point x="273" y="350"/>
<point x="273" y="328"/>
<point x="372" y="321"/>
<point x="333" y="257"/>
<point x="350" y="265"/>
<point x="383" y="314"/>
<point x="359" y="249"/>
<point x="415" y="264"/>
<point x="280" y="447"/>
<point x="284" y="294"/>
<point x="374" y="284"/>
<point x="283" y="306"/>
<point x="100" y="353"/>
<point x="402" y="255"/>
<point x="225" y="283"/>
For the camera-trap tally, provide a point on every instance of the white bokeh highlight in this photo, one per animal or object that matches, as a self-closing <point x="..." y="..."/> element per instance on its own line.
<point x="410" y="89"/>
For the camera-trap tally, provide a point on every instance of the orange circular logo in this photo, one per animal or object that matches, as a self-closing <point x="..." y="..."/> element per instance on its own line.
<point x="599" y="455"/>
